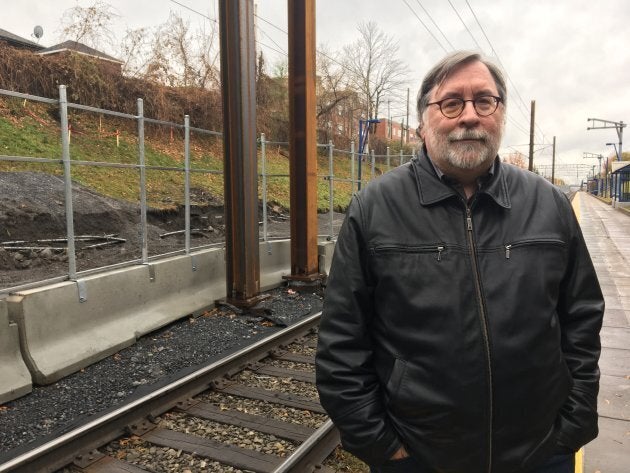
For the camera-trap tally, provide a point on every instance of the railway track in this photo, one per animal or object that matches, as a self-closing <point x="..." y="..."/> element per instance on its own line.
<point x="253" y="411"/>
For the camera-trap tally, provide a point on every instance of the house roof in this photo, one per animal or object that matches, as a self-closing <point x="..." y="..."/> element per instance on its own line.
<point x="18" y="40"/>
<point x="78" y="48"/>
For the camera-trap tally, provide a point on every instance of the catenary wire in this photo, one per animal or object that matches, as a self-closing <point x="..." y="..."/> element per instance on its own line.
<point x="425" y="26"/>
<point x="536" y="125"/>
<point x="465" y="25"/>
<point x="435" y="24"/>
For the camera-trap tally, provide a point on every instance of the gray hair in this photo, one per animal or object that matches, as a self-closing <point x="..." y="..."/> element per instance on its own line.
<point x="446" y="67"/>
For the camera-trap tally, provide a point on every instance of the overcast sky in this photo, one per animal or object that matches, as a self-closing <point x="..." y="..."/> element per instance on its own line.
<point x="571" y="56"/>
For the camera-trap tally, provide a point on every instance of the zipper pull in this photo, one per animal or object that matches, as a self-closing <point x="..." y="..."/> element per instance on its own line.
<point x="440" y="249"/>
<point x="507" y="251"/>
<point x="468" y="220"/>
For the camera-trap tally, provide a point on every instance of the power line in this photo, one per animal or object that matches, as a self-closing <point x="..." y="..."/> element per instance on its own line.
<point x="434" y="23"/>
<point x="517" y="125"/>
<point x="494" y="51"/>
<point x="465" y="26"/>
<point x="425" y="26"/>
<point x="504" y="68"/>
<point x="194" y="11"/>
<point x="272" y="40"/>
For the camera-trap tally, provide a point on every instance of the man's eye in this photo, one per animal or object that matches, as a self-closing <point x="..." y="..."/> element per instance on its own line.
<point x="484" y="102"/>
<point x="451" y="104"/>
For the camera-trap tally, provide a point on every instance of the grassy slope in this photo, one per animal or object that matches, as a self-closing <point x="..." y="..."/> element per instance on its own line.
<point x="29" y="129"/>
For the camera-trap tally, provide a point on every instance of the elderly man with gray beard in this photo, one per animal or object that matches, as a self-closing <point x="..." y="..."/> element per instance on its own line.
<point x="461" y="319"/>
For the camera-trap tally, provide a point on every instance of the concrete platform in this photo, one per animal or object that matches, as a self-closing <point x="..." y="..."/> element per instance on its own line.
<point x="607" y="234"/>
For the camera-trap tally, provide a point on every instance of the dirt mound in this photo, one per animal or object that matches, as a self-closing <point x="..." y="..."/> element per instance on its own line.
<point x="107" y="231"/>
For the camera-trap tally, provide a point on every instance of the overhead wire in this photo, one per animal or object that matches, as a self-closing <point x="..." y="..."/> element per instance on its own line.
<point x="425" y="26"/>
<point x="525" y="116"/>
<point x="465" y="25"/>
<point x="483" y="31"/>
<point x="435" y="24"/>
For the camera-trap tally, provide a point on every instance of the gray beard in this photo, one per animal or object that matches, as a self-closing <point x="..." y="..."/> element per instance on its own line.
<point x="466" y="156"/>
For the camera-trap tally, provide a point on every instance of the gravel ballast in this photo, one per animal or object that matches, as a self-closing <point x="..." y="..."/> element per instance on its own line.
<point x="153" y="360"/>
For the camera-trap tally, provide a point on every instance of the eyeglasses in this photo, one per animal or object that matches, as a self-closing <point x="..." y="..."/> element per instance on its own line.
<point x="453" y="107"/>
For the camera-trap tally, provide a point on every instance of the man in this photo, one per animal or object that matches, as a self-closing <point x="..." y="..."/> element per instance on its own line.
<point x="461" y="320"/>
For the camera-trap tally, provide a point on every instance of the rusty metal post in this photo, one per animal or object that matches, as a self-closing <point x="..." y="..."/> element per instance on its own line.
<point x="238" y="60"/>
<point x="303" y="142"/>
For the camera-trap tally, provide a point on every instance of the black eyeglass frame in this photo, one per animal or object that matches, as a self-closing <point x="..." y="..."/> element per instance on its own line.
<point x="497" y="101"/>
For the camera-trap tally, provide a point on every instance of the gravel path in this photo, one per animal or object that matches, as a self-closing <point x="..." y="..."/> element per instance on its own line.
<point x="154" y="359"/>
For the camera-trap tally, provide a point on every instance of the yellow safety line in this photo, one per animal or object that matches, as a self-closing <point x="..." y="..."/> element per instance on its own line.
<point x="576" y="205"/>
<point x="579" y="461"/>
<point x="579" y="456"/>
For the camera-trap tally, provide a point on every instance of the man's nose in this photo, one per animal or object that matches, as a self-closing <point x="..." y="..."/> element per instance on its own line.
<point x="469" y="114"/>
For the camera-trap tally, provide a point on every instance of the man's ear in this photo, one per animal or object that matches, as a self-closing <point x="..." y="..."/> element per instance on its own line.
<point x="419" y="133"/>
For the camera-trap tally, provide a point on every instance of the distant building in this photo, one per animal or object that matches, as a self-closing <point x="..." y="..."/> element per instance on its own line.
<point x="69" y="47"/>
<point x="390" y="130"/>
<point x="18" y="42"/>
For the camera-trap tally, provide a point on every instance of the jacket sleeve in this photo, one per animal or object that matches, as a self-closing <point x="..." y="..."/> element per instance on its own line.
<point x="580" y="310"/>
<point x="348" y="386"/>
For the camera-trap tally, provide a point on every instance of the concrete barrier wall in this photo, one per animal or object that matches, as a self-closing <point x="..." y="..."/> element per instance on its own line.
<point x="15" y="379"/>
<point x="67" y="326"/>
<point x="275" y="262"/>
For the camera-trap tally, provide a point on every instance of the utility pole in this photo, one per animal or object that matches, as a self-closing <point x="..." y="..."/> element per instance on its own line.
<point x="553" y="161"/>
<point x="389" y="122"/>
<point x="407" y="130"/>
<point x="531" y="135"/>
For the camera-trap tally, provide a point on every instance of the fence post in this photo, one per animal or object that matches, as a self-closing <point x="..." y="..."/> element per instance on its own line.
<point x="388" y="162"/>
<point x="187" y="181"/>
<point x="352" y="167"/>
<point x="143" y="183"/>
<point x="67" y="181"/>
<point x="263" y="161"/>
<point x="401" y="158"/>
<point x="331" y="176"/>
<point x="373" y="165"/>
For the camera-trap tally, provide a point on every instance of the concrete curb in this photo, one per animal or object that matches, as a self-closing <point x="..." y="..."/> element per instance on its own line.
<point x="14" y="375"/>
<point x="67" y="326"/>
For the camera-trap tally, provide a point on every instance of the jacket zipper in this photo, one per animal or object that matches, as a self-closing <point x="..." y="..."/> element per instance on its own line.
<point x="484" y="326"/>
<point x="410" y="249"/>
<point x="542" y="241"/>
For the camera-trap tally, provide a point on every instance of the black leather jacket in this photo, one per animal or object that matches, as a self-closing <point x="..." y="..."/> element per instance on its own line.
<point x="469" y="332"/>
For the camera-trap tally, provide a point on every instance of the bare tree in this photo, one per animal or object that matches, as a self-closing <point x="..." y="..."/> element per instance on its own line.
<point x="173" y="54"/>
<point x="372" y="66"/>
<point x="332" y="83"/>
<point x="135" y="51"/>
<point x="91" y="25"/>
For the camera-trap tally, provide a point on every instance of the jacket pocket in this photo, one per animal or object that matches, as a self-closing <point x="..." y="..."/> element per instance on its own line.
<point x="543" y="450"/>
<point x="437" y="249"/>
<point x="395" y="379"/>
<point x="535" y="242"/>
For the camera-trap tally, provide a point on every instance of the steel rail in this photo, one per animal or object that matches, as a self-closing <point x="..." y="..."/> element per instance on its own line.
<point x="313" y="451"/>
<point x="62" y="450"/>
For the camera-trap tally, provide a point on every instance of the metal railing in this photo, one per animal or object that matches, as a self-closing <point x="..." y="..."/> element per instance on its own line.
<point x="335" y="157"/>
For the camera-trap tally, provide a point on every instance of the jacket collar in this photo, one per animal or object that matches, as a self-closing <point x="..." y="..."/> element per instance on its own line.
<point x="432" y="189"/>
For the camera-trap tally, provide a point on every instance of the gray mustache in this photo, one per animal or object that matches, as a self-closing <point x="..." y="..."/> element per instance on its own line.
<point x="467" y="135"/>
